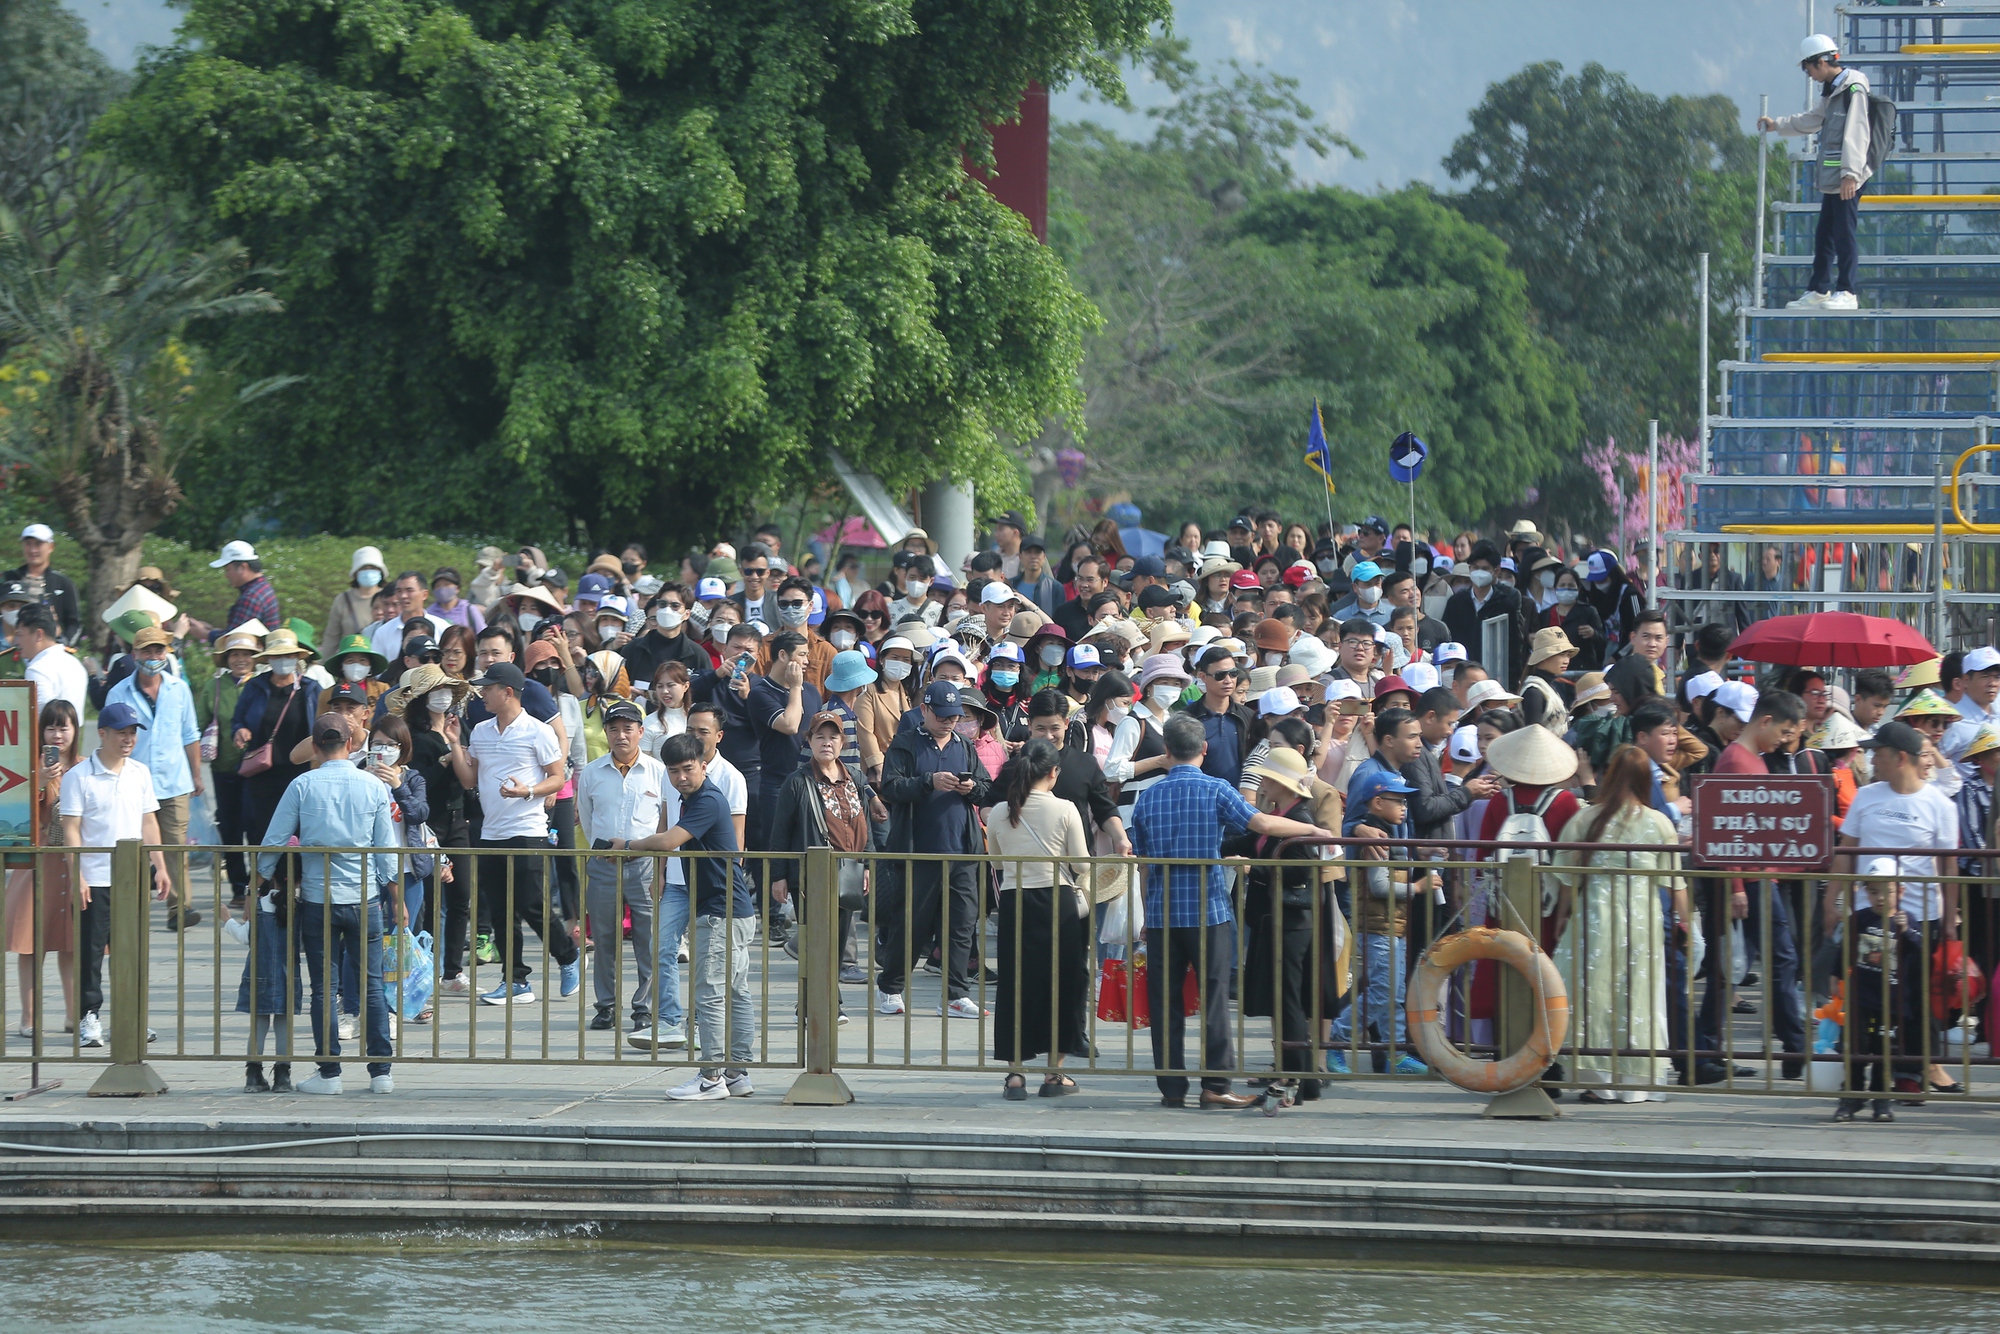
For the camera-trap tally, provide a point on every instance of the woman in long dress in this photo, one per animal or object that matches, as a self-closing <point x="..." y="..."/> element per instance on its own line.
<point x="58" y="915"/>
<point x="1611" y="941"/>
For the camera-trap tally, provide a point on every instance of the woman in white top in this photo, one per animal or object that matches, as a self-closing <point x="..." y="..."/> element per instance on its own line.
<point x="1138" y="756"/>
<point x="1043" y="944"/>
<point x="666" y="706"/>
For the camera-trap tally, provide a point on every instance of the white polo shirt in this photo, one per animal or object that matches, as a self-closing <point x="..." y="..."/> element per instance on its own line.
<point x="614" y="805"/>
<point x="521" y="752"/>
<point x="58" y="675"/>
<point x="113" y="806"/>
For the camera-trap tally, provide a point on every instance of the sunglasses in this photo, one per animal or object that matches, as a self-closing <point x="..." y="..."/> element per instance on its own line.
<point x="792" y="606"/>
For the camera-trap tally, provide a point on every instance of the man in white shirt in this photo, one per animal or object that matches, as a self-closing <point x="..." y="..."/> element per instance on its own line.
<point x="618" y="797"/>
<point x="1900" y="810"/>
<point x="107" y="798"/>
<point x="412" y="592"/>
<point x="514" y="760"/>
<point x="54" y="669"/>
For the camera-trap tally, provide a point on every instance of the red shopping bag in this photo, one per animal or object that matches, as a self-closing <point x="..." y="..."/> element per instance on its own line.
<point x="1190" y="992"/>
<point x="1121" y="994"/>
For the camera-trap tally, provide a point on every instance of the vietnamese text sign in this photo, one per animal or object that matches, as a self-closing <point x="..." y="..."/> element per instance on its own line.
<point x="1763" y="822"/>
<point x="17" y="764"/>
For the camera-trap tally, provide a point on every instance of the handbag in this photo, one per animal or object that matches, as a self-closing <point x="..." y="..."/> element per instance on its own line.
<point x="853" y="870"/>
<point x="259" y="760"/>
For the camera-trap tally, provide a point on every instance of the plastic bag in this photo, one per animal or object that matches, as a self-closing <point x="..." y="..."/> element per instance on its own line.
<point x="1739" y="956"/>
<point x="407" y="972"/>
<point x="1125" y="919"/>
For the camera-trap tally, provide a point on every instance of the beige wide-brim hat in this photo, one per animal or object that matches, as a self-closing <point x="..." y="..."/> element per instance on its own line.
<point x="283" y="644"/>
<point x="420" y="681"/>
<point x="1285" y="767"/>
<point x="1531" y="755"/>
<point x="534" y="593"/>
<point x="1549" y="642"/>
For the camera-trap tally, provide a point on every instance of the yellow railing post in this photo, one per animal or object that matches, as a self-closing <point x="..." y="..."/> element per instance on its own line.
<point x="819" y="985"/>
<point x="128" y="1075"/>
<point x="1519" y="1012"/>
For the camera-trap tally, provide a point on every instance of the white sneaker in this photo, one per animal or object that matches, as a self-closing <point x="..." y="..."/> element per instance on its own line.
<point x="642" y="1038"/>
<point x="456" y="984"/>
<point x="89" y="1032"/>
<point x="349" y="1028"/>
<point x="237" y="930"/>
<point x="699" y="1089"/>
<point x="739" y="1084"/>
<point x="888" y="1002"/>
<point x="1842" y="301"/>
<point x="1809" y="301"/>
<point x="965" y="1008"/>
<point x="381" y="1084"/>
<point x="318" y="1083"/>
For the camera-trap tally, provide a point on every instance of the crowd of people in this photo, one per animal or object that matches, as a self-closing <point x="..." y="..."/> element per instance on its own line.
<point x="1329" y="703"/>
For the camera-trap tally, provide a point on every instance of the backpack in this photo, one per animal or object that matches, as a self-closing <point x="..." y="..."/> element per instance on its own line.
<point x="1528" y="826"/>
<point x="1882" y="126"/>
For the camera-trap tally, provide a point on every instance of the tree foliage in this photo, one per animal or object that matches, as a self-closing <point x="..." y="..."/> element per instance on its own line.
<point x="630" y="263"/>
<point x="1605" y="196"/>
<point x="1232" y="299"/>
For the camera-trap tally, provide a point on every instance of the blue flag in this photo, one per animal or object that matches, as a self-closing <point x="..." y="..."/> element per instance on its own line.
<point x="1319" y="457"/>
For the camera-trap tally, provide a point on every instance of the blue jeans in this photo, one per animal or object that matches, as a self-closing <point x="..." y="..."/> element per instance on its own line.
<point x="669" y="925"/>
<point x="348" y="924"/>
<point x="1382" y="958"/>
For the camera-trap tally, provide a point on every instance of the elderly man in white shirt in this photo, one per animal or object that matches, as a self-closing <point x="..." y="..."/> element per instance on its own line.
<point x="618" y="797"/>
<point x="54" y="669"/>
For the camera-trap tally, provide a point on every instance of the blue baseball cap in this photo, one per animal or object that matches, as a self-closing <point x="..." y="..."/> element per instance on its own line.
<point x="1600" y="567"/>
<point x="817" y="615"/>
<point x="1372" y="785"/>
<point x="592" y="586"/>
<point x="941" y="698"/>
<point x="1150" y="566"/>
<point x="1005" y="652"/>
<point x="1085" y="655"/>
<point x="1364" y="570"/>
<point x="118" y="717"/>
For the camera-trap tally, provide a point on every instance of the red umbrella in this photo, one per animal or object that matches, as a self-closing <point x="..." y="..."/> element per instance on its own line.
<point x="1832" y="639"/>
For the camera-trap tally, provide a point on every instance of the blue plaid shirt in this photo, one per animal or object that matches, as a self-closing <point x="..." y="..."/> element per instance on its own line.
<point x="1183" y="815"/>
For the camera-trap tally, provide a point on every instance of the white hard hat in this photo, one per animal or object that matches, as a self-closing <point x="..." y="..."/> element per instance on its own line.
<point x="1815" y="46"/>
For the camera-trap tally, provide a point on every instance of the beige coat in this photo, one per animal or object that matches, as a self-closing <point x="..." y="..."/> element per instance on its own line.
<point x="352" y="613"/>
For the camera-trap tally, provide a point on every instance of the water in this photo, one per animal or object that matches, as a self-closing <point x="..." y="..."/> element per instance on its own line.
<point x="493" y="1283"/>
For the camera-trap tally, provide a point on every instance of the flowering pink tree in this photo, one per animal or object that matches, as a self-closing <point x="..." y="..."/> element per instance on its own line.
<point x="1622" y="475"/>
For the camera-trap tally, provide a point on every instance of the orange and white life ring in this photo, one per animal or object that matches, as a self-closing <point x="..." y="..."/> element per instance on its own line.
<point x="1524" y="1066"/>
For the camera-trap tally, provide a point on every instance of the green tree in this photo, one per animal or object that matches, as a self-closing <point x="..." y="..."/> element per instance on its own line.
<point x="1233" y="299"/>
<point x="627" y="264"/>
<point x="1605" y="196"/>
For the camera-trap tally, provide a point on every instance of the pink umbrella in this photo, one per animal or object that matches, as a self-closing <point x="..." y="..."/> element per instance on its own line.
<point x="853" y="533"/>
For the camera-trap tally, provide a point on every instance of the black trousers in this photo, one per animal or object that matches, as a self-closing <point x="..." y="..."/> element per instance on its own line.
<point x="1170" y="952"/>
<point x="562" y="818"/>
<point x="527" y="901"/>
<point x="926" y="920"/>
<point x="1834" y="246"/>
<point x="94" y="933"/>
<point x="229" y="824"/>
<point x="448" y="907"/>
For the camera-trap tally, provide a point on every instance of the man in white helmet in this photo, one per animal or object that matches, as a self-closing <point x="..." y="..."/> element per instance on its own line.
<point x="1840" y="170"/>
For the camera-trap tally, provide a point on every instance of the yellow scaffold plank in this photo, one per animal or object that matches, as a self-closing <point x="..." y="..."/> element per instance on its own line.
<point x="1951" y="48"/>
<point x="1930" y="201"/>
<point x="1886" y="358"/>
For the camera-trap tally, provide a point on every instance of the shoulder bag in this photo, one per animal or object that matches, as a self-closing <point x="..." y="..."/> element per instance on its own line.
<point x="853" y="870"/>
<point x="257" y="761"/>
<point x="1064" y="877"/>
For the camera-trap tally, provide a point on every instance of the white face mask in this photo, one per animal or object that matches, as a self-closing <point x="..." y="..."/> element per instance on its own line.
<point x="718" y="631"/>
<point x="1164" y="696"/>
<point x="610" y="629"/>
<point x="1481" y="578"/>
<point x="284" y="668"/>
<point x="439" y="701"/>
<point x="667" y="618"/>
<point x="530" y="624"/>
<point x="387" y="757"/>
<point x="842" y="640"/>
<point x="1367" y="595"/>
<point x="11" y="616"/>
<point x="1420" y="567"/>
<point x="1051" y="655"/>
<point x="1116" y="713"/>
<point x="1565" y="596"/>
<point x="1547" y="578"/>
<point x="354" y="671"/>
<point x="896" y="669"/>
<point x="367" y="578"/>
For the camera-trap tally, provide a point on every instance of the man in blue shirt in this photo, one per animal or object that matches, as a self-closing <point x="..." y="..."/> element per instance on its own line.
<point x="1188" y="917"/>
<point x="338" y="805"/>
<point x="170" y="748"/>
<point x="931" y="780"/>
<point x="728" y="921"/>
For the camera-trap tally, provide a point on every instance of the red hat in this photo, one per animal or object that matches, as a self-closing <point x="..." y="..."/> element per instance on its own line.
<point x="1298" y="572"/>
<point x="1243" y="579"/>
<point x="1390" y="684"/>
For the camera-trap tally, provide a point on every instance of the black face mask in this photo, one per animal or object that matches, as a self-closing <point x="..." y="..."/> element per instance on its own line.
<point x="631" y="568"/>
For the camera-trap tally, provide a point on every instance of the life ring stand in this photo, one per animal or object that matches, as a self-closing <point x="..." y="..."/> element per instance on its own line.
<point x="1522" y="1067"/>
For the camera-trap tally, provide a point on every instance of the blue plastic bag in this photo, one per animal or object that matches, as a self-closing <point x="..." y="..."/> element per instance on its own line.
<point x="407" y="971"/>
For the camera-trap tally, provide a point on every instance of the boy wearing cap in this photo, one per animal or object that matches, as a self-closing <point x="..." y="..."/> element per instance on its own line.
<point x="107" y="797"/>
<point x="932" y="781"/>
<point x="46" y="584"/>
<point x="1378" y="807"/>
<point x="170" y="751"/>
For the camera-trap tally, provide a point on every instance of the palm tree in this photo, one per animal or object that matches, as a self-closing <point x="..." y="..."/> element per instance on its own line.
<point x="104" y="397"/>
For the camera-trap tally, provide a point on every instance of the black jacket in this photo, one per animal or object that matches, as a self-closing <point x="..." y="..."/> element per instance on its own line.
<point x="1072" y="617"/>
<point x="794" y="821"/>
<point x="1464" y="619"/>
<point x="1435" y="803"/>
<point x="648" y="652"/>
<point x="1080" y="782"/>
<point x="902" y="788"/>
<point x="59" y="591"/>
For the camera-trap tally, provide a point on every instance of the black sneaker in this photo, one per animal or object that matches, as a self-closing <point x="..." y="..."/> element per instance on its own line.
<point x="602" y="1019"/>
<point x="1743" y="1006"/>
<point x="181" y="921"/>
<point x="1749" y="980"/>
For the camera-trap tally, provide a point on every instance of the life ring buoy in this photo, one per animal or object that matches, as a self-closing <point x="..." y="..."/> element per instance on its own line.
<point x="1517" y="1070"/>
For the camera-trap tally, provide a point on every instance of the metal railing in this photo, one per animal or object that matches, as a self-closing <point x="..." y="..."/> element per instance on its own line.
<point x="1284" y="992"/>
